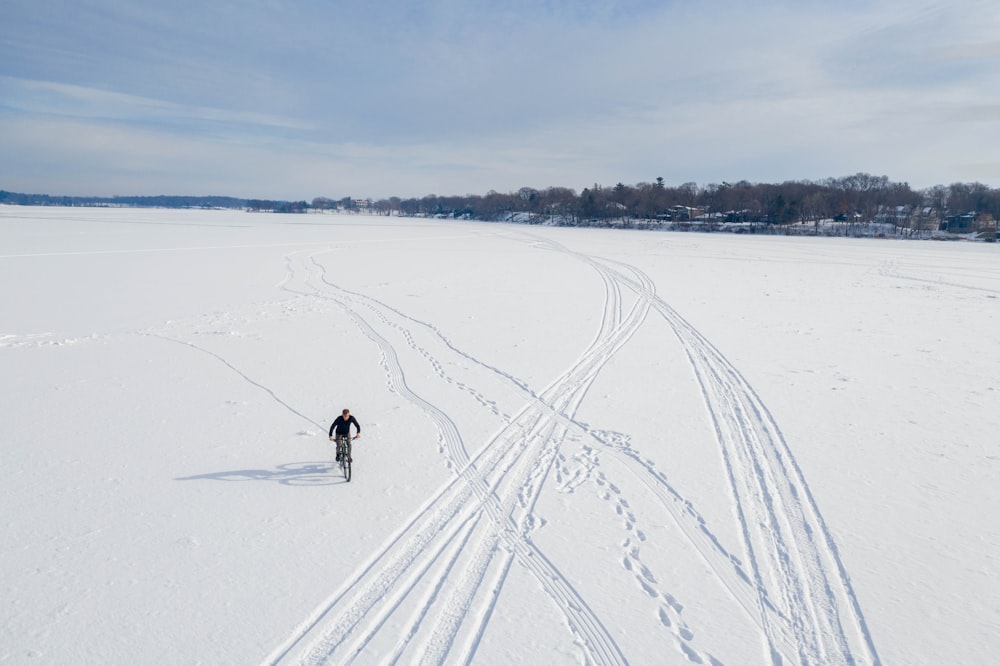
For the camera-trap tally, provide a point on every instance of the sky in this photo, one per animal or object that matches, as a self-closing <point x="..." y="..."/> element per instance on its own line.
<point x="299" y="99"/>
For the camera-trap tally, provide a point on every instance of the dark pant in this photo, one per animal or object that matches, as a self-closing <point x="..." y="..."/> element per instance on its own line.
<point x="347" y="444"/>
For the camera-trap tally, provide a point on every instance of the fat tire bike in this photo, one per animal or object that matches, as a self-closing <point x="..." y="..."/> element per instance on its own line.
<point x="344" y="455"/>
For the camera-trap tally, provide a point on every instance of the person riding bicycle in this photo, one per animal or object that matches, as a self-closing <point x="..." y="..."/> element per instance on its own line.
<point x="341" y="427"/>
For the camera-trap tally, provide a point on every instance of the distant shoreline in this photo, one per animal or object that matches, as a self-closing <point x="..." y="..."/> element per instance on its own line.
<point x="857" y="205"/>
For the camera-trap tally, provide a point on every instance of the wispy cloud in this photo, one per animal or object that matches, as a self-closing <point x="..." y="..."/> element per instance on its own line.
<point x="75" y="101"/>
<point x="450" y="96"/>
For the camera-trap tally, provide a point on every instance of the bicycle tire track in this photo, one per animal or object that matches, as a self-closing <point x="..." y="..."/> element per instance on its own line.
<point x="790" y="547"/>
<point x="594" y="635"/>
<point x="610" y="315"/>
<point x="239" y="372"/>
<point x="710" y="547"/>
<point x="890" y="269"/>
<point x="577" y="384"/>
<point x="729" y="569"/>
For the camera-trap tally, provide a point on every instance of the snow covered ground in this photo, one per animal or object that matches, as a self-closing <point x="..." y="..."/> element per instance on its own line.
<point x="579" y="446"/>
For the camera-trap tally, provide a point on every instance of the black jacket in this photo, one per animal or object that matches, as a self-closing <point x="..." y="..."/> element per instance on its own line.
<point x="342" y="426"/>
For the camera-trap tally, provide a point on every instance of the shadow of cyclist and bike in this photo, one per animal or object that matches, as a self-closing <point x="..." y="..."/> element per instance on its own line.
<point x="325" y="473"/>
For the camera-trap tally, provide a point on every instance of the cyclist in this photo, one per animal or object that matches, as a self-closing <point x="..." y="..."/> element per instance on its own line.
<point x="341" y="427"/>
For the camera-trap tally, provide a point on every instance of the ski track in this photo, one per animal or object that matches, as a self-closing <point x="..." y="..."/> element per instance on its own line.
<point x="447" y="565"/>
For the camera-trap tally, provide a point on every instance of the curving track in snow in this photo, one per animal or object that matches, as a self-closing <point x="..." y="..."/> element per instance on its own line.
<point x="482" y="518"/>
<point x="805" y="603"/>
<point x="434" y="585"/>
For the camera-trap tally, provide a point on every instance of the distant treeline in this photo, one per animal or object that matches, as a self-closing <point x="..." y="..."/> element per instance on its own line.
<point x="851" y="199"/>
<point x="136" y="202"/>
<point x="160" y="201"/>
<point x="861" y="198"/>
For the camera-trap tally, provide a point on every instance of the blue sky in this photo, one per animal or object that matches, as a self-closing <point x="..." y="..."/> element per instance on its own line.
<point x="294" y="99"/>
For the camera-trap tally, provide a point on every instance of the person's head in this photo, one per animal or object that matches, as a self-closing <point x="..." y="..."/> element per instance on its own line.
<point x="346" y="413"/>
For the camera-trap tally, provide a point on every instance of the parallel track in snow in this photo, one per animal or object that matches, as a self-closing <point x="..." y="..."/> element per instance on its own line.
<point x="488" y="505"/>
<point x="434" y="584"/>
<point x="805" y="598"/>
<point x="805" y="603"/>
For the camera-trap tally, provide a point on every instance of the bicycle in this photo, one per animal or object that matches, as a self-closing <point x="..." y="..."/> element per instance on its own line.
<point x="344" y="455"/>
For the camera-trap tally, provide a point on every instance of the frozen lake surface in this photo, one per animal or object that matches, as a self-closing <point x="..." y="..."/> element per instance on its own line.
<point x="578" y="445"/>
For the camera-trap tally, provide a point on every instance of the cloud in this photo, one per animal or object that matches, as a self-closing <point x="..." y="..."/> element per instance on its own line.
<point x="294" y="99"/>
<point x="49" y="98"/>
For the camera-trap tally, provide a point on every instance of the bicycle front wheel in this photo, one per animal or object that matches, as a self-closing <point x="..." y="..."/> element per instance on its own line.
<point x="345" y="458"/>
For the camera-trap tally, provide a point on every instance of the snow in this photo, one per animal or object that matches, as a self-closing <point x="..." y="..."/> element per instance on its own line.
<point x="579" y="445"/>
